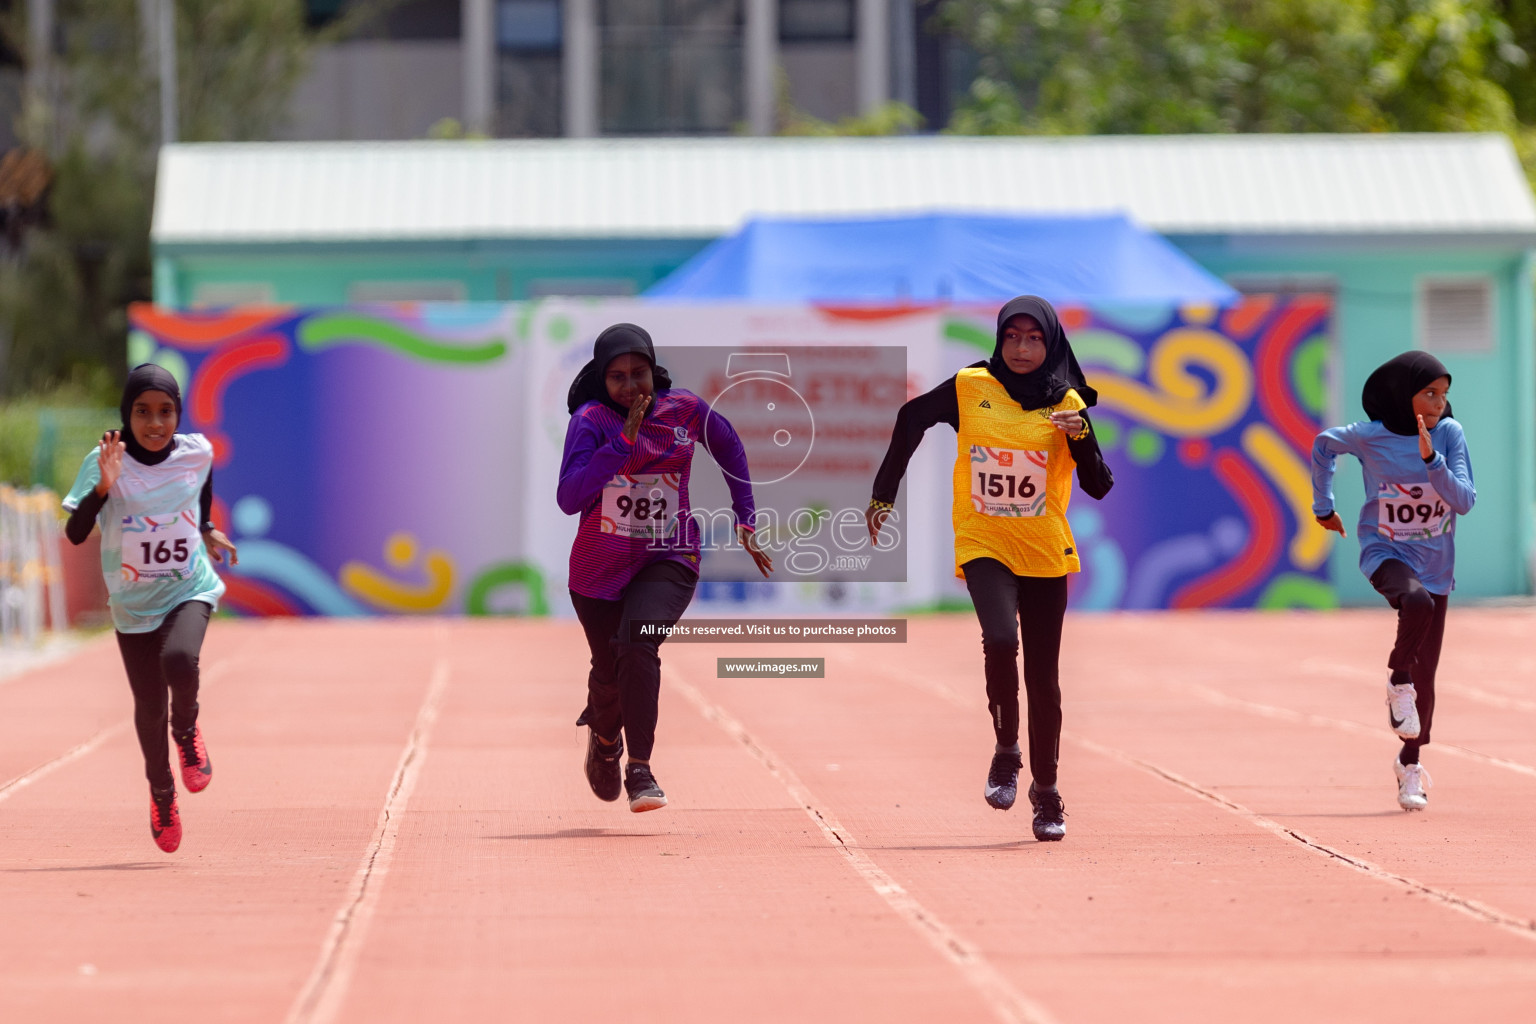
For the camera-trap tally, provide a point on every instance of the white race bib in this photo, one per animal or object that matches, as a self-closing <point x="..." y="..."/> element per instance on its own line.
<point x="641" y="506"/>
<point x="159" y="547"/>
<point x="1007" y="481"/>
<point x="1411" y="512"/>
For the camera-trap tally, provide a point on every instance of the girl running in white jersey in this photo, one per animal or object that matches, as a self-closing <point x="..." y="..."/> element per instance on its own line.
<point x="151" y="489"/>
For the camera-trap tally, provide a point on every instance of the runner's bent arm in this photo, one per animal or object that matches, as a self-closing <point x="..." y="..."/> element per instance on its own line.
<point x="82" y="518"/>
<point x="588" y="464"/>
<point x="1451" y="473"/>
<point x="724" y="445"/>
<point x="1093" y="476"/>
<point x="941" y="405"/>
<point x="1330" y="444"/>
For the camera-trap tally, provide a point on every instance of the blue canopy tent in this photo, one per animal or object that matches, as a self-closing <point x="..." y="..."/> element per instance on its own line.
<point x="944" y="258"/>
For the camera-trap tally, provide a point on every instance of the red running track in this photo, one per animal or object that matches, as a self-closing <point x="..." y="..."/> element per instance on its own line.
<point x="399" y="830"/>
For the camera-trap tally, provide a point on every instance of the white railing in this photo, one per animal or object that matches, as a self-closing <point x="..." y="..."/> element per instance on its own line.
<point x="31" y="578"/>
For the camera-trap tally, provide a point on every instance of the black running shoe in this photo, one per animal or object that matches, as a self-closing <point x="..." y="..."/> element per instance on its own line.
<point x="644" y="794"/>
<point x="1049" y="815"/>
<point x="1003" y="780"/>
<point x="603" y="766"/>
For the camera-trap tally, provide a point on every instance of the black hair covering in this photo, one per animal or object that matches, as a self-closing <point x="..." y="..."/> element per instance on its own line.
<point x="1389" y="390"/>
<point x="1049" y="382"/>
<point x="615" y="341"/>
<point x="142" y="378"/>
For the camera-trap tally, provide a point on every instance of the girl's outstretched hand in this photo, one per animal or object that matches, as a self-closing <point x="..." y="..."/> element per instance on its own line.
<point x="1426" y="450"/>
<point x="109" y="460"/>
<point x="748" y="540"/>
<point x="1334" y="523"/>
<point x="218" y="544"/>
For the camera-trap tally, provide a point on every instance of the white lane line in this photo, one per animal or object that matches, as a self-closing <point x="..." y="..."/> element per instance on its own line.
<point x="75" y="753"/>
<point x="1006" y="1002"/>
<point x="1523" y="927"/>
<point x="1220" y="699"/>
<point x="323" y="994"/>
<point x="1322" y="667"/>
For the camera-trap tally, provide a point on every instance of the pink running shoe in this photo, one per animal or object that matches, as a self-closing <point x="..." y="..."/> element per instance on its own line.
<point x="165" y="821"/>
<point x="196" y="766"/>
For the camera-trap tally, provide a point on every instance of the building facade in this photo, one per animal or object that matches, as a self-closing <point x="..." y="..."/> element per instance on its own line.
<point x="585" y="68"/>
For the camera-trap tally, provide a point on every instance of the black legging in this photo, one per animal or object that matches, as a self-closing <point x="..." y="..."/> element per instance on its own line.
<point x="1416" y="654"/>
<point x="164" y="659"/>
<point x="624" y="686"/>
<point x="1009" y="606"/>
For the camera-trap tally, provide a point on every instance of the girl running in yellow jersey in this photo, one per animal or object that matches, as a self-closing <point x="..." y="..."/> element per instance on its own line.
<point x="1020" y="431"/>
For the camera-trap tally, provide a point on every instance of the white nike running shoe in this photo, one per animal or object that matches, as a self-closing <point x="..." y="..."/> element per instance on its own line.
<point x="1403" y="710"/>
<point x="1412" y="781"/>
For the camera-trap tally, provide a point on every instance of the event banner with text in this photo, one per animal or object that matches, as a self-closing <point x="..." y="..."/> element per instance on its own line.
<point x="404" y="459"/>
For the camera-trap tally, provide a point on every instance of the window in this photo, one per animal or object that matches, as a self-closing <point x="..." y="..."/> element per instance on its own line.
<point x="528" y="26"/>
<point x="808" y="21"/>
<point x="223" y="294"/>
<point x="1456" y="316"/>
<point x="1284" y="284"/>
<point x="670" y="65"/>
<point x="363" y="292"/>
<point x="544" y="287"/>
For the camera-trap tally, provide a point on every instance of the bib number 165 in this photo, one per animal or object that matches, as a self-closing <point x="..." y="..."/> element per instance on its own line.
<point x="161" y="552"/>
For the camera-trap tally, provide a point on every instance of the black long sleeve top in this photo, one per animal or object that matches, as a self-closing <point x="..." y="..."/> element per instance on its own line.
<point x="942" y="405"/>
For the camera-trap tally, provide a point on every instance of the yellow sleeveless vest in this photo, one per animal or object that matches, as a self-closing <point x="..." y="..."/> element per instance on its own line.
<point x="1012" y="481"/>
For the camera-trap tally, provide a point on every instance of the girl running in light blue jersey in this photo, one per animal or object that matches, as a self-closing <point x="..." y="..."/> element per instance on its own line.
<point x="1418" y="479"/>
<point x="152" y="491"/>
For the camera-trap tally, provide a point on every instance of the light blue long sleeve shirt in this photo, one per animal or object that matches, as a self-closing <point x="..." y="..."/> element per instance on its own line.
<point x="1410" y="506"/>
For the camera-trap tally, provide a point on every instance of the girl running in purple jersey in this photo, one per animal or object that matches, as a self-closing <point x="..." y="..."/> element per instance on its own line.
<point x="628" y="455"/>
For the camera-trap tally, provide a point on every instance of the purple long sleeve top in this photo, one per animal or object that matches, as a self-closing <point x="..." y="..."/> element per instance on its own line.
<point x="633" y="497"/>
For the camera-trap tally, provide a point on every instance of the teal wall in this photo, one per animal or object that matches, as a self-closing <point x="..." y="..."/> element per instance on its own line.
<point x="489" y="271"/>
<point x="1493" y="394"/>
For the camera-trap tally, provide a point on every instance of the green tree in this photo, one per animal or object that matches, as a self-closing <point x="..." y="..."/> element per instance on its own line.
<point x="1154" y="66"/>
<point x="63" y="297"/>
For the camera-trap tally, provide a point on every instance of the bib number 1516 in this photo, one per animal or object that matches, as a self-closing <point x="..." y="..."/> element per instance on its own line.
<point x="1008" y="481"/>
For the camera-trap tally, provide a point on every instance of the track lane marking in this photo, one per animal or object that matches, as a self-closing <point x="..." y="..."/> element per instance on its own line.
<point x="1523" y="927"/>
<point x="1009" y="1004"/>
<point x="323" y="994"/>
<point x="14" y="785"/>
<point x="1513" y="923"/>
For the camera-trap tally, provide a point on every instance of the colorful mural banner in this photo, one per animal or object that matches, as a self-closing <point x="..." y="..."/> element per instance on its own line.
<point x="402" y="459"/>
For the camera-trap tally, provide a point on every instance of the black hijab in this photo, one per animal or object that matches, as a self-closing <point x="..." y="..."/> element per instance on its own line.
<point x="1047" y="384"/>
<point x="142" y="378"/>
<point x="615" y="341"/>
<point x="1389" y="390"/>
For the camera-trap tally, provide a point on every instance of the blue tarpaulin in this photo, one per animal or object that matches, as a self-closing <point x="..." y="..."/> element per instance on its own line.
<point x="944" y="257"/>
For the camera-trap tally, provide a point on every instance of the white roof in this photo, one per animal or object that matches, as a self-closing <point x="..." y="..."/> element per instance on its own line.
<point x="614" y="188"/>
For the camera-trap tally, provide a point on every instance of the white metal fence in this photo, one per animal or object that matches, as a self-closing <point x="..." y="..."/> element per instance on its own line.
<point x="31" y="578"/>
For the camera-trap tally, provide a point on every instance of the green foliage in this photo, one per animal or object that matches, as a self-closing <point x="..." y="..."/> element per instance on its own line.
<point x="44" y="436"/>
<point x="63" y="299"/>
<point x="1177" y="66"/>
<point x="892" y="118"/>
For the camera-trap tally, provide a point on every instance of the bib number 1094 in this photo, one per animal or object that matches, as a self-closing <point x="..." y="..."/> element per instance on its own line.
<point x="1411" y="512"/>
